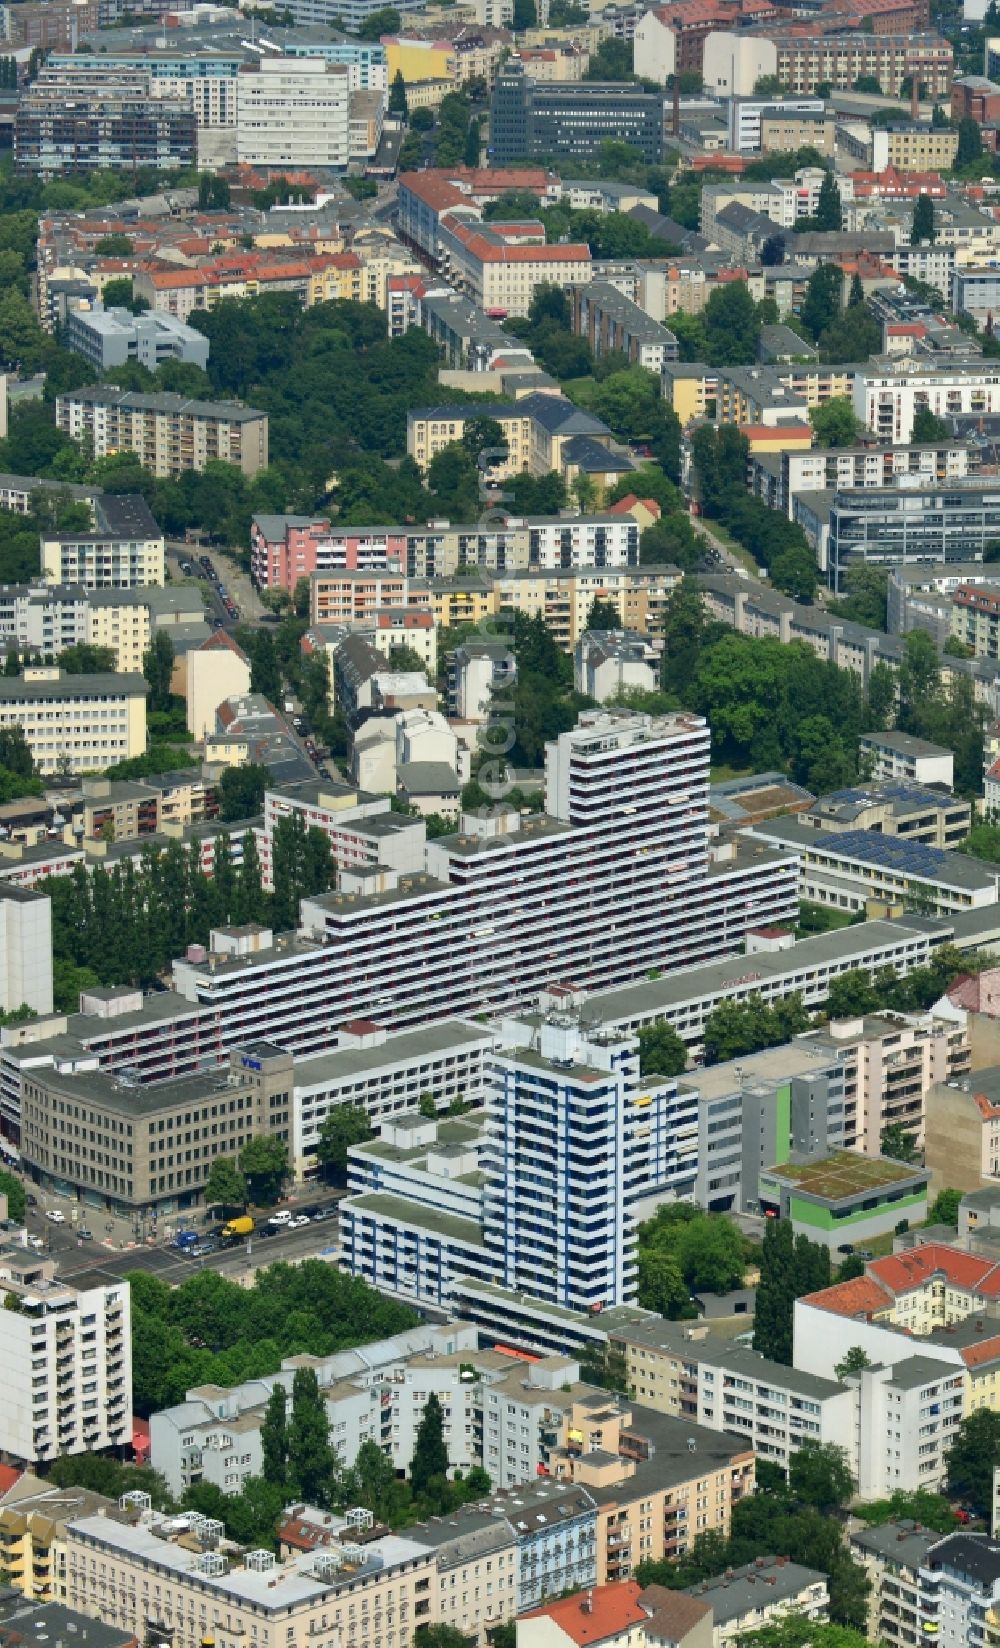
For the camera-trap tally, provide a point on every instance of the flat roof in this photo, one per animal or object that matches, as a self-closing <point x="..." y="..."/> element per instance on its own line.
<point x="414" y="1216"/>
<point x="774" y="1064"/>
<point x="408" y="1048"/>
<point x="844" y="1174"/>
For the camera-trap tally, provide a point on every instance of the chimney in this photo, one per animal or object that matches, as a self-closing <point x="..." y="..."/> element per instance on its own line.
<point x="587" y="1605"/>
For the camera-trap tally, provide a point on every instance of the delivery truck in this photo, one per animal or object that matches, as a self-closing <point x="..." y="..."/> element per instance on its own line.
<point x="236" y="1229"/>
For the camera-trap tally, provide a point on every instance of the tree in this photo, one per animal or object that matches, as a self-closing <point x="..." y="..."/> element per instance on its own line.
<point x="855" y="1361"/>
<point x="86" y="659"/>
<point x="822" y="302"/>
<point x="798" y="1631"/>
<point x="377" y="23"/>
<point x="769" y="85"/>
<point x="661" y="1051"/>
<point x="241" y="791"/>
<point x="397" y="95"/>
<point x="343" y="1125"/>
<point x="441" y="1636"/>
<point x="603" y="615"/>
<point x="975" y="1453"/>
<point x="897" y="1143"/>
<point x="789" y="1267"/>
<point x="920" y="1505"/>
<point x="661" y="1285"/>
<point x="944" y="1208"/>
<point x="158" y="668"/>
<point x="927" y="428"/>
<point x="683" y="630"/>
<point x="772" y="253"/>
<point x="311" y="1465"/>
<point x="922" y="226"/>
<point x="970" y="143"/>
<point x="274" y="1436"/>
<point x="829" y="211"/>
<point x="264" y="1162"/>
<point x="430" y="1455"/>
<point x="819" y="1475"/>
<point x="225" y="1185"/>
<point x="835" y="423"/>
<point x="13" y="1188"/>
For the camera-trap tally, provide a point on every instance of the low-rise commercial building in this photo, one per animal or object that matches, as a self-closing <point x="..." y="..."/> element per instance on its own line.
<point x="899" y="755"/>
<point x="897" y="809"/>
<point x="862" y="870"/>
<point x="531" y="118"/>
<point x="112" y="337"/>
<point x="168" y="433"/>
<point x="119" y="1144"/>
<point x="946" y="522"/>
<point x="845" y="1195"/>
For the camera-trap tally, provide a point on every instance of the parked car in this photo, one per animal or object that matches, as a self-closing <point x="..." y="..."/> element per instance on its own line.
<point x="35" y="1241"/>
<point x="298" y="1221"/>
<point x="282" y="1217"/>
<point x="57" y="1217"/>
<point x="85" y="1233"/>
<point x="32" y="1201"/>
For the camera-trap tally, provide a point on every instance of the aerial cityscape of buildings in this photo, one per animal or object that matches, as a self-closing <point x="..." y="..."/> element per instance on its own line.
<point x="500" y="824"/>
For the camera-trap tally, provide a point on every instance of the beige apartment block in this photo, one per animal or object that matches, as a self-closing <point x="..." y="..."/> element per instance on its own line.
<point x="962" y="1134"/>
<point x="117" y="620"/>
<point x="655" y="1495"/>
<point x="168" y="433"/>
<point x="142" y="1576"/>
<point x="892" y="1065"/>
<point x="79" y="722"/>
<point x="216" y="670"/>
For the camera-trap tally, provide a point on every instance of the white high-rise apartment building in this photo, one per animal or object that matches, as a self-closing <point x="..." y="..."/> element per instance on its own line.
<point x="65" y="1362"/>
<point x="613" y="882"/>
<point x="25" y="950"/>
<point x="574" y="1140"/>
<point x="293" y="111"/>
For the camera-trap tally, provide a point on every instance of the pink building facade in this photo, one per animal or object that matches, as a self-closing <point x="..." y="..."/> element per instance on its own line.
<point x="285" y="548"/>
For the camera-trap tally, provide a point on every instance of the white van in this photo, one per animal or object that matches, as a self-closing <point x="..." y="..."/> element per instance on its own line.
<point x="282" y="1217"/>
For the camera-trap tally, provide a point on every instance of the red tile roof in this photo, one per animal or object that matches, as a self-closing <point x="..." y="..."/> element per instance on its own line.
<point x="597" y="1615"/>
<point x="903" y="1271"/>
<point x="987" y="1350"/>
<point x="9" y="1474"/>
<point x="861" y="1296"/>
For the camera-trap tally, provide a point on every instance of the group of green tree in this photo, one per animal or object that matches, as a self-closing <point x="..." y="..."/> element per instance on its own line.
<point x="727" y="331"/>
<point x="212" y="1330"/>
<point x="798" y="1516"/>
<point x="779" y="545"/>
<point x="256" y="1175"/>
<point x="790" y="1266"/>
<point x="336" y="391"/>
<point x="446" y="136"/>
<point x="125" y="924"/>
<point x="775" y="705"/>
<point x="20" y="535"/>
<point x="683" y="1251"/>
